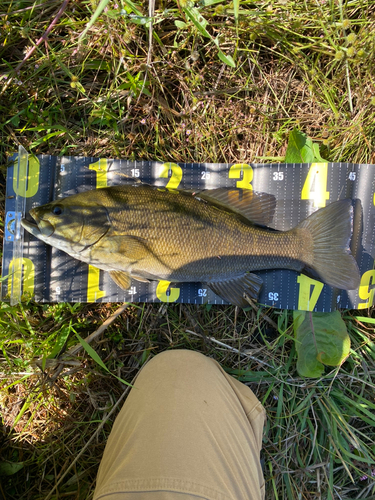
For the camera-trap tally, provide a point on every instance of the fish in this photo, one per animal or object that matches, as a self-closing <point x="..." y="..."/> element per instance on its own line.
<point x="218" y="237"/>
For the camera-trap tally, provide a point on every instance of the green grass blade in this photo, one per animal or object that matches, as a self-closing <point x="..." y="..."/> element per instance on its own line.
<point x="102" y="5"/>
<point x="236" y="8"/>
<point x="198" y="20"/>
<point x="95" y="356"/>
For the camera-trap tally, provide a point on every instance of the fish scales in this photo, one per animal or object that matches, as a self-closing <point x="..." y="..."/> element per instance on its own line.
<point x="196" y="241"/>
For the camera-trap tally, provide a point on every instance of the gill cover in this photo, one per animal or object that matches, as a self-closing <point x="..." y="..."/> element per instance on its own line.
<point x="70" y="226"/>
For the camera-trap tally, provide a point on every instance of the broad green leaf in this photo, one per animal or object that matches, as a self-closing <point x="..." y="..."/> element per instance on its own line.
<point x="226" y="59"/>
<point x="321" y="339"/>
<point x="10" y="468"/>
<point x="301" y="149"/>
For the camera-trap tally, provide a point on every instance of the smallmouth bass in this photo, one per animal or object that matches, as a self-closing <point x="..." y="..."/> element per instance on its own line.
<point x="215" y="237"/>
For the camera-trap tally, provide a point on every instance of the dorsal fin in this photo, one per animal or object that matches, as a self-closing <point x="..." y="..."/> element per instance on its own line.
<point x="258" y="208"/>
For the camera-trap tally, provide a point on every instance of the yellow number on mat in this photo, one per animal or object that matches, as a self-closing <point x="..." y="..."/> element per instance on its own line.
<point x="28" y="180"/>
<point x="161" y="292"/>
<point x="176" y="176"/>
<point x="315" y="187"/>
<point x="93" y="291"/>
<point x="365" y="292"/>
<point x="101" y="169"/>
<point x="307" y="299"/>
<point x="247" y="175"/>
<point x="23" y="272"/>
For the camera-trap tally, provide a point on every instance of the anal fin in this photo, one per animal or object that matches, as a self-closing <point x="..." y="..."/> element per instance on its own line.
<point x="139" y="278"/>
<point x="233" y="290"/>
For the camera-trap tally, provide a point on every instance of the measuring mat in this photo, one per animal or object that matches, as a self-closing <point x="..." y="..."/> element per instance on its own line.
<point x="32" y="268"/>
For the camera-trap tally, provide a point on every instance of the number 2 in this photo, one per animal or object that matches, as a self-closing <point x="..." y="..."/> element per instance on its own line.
<point x="176" y="176"/>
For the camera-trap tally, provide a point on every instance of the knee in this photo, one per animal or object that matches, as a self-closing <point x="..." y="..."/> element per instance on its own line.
<point x="177" y="356"/>
<point x="179" y="361"/>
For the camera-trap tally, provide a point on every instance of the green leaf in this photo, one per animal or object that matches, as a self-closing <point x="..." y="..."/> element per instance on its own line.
<point x="95" y="356"/>
<point x="198" y="20"/>
<point x="10" y="468"/>
<point x="45" y="138"/>
<point x="321" y="339"/>
<point x="301" y="149"/>
<point x="206" y="3"/>
<point x="100" y="8"/>
<point x="226" y="59"/>
<point x="131" y="5"/>
<point x="102" y="5"/>
<point x="200" y="23"/>
<point x="92" y="353"/>
<point x="180" y="24"/>
<point x="60" y="342"/>
<point x="317" y="153"/>
<point x="365" y="319"/>
<point x="15" y="120"/>
<point x="143" y="20"/>
<point x="236" y="8"/>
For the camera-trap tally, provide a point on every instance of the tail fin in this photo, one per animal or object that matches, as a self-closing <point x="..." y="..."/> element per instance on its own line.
<point x="331" y="229"/>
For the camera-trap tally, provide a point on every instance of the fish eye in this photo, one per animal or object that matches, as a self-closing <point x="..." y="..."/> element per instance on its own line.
<point x="57" y="210"/>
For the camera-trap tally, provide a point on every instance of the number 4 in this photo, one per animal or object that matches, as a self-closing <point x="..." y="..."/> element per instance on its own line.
<point x="315" y="187"/>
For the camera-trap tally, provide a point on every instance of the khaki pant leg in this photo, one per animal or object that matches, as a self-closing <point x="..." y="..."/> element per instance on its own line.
<point x="187" y="430"/>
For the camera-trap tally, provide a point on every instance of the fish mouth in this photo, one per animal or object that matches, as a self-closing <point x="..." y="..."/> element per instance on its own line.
<point x="40" y="229"/>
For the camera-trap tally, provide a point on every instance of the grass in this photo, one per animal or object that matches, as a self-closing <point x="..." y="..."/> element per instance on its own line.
<point x="117" y="92"/>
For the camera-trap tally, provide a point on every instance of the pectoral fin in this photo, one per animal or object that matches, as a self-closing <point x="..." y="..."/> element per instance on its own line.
<point x="132" y="247"/>
<point x="123" y="279"/>
<point x="233" y="290"/>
